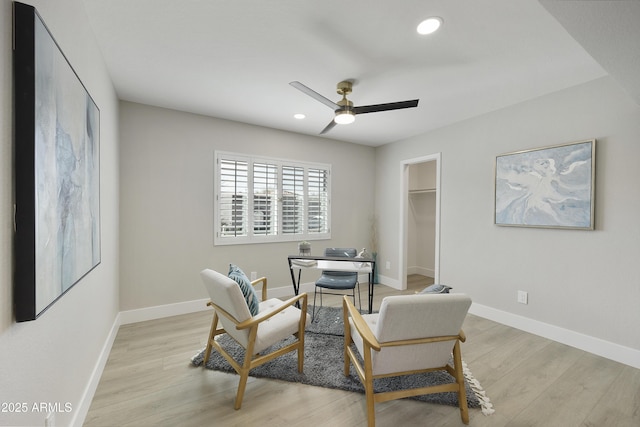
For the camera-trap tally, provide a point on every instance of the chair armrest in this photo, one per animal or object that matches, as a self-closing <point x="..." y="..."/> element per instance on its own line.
<point x="361" y="326"/>
<point x="261" y="317"/>
<point x="222" y="311"/>
<point x="462" y="336"/>
<point x="263" y="281"/>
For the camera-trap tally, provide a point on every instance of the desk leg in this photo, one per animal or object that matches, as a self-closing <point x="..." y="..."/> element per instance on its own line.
<point x="294" y="282"/>
<point x="370" y="292"/>
<point x="372" y="276"/>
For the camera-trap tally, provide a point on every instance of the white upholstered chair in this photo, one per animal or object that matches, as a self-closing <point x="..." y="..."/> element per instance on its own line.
<point x="276" y="320"/>
<point x="410" y="334"/>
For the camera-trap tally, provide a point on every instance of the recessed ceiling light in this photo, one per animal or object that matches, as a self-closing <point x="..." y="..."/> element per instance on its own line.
<point x="299" y="116"/>
<point x="429" y="25"/>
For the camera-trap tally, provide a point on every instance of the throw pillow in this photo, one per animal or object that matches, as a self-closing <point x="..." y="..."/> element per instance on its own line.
<point x="248" y="291"/>
<point x="436" y="289"/>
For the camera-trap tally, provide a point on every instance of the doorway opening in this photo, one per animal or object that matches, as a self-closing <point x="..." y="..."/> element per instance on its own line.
<point x="420" y="218"/>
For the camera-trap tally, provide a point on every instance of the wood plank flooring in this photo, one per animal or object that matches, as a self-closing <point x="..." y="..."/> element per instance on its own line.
<point x="532" y="381"/>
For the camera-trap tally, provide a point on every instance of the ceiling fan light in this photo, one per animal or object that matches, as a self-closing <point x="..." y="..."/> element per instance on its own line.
<point x="429" y="25"/>
<point x="344" y="117"/>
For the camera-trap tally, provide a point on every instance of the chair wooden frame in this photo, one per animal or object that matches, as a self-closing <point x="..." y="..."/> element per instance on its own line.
<point x="252" y="360"/>
<point x="366" y="373"/>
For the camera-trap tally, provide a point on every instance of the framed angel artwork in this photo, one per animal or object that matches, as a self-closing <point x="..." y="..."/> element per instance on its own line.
<point x="548" y="187"/>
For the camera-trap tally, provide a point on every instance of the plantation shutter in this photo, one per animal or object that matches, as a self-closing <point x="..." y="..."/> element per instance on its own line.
<point x="265" y="195"/>
<point x="232" y="201"/>
<point x="292" y="200"/>
<point x="318" y="197"/>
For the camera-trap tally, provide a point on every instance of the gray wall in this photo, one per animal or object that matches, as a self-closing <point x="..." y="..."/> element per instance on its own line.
<point x="586" y="282"/>
<point x="52" y="358"/>
<point x="166" y="205"/>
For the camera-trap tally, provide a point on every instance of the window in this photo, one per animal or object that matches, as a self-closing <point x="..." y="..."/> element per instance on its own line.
<point x="269" y="200"/>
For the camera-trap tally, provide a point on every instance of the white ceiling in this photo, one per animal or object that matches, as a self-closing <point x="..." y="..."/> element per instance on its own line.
<point x="234" y="59"/>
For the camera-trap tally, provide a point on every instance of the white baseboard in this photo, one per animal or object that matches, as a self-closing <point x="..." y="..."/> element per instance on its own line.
<point x="609" y="350"/>
<point x="388" y="281"/>
<point x="161" y="311"/>
<point x="287" y="291"/>
<point x="423" y="271"/>
<point x="186" y="307"/>
<point x="92" y="385"/>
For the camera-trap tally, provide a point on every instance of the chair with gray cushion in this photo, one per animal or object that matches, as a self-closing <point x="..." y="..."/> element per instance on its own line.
<point x="331" y="282"/>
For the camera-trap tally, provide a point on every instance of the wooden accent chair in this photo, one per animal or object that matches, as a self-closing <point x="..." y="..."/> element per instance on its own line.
<point x="275" y="321"/>
<point x="411" y="334"/>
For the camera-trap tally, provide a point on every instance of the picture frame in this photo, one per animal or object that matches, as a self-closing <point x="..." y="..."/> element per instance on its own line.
<point x="56" y="171"/>
<point x="547" y="187"/>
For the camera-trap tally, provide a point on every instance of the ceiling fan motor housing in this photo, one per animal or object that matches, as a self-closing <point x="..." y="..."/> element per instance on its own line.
<point x="344" y="88"/>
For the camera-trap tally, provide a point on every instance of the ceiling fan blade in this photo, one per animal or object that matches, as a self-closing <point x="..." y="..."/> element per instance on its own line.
<point x="385" y="107"/>
<point x="315" y="95"/>
<point x="328" y="127"/>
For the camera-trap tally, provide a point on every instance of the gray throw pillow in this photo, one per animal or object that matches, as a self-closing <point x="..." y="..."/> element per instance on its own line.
<point x="247" y="289"/>
<point x="436" y="289"/>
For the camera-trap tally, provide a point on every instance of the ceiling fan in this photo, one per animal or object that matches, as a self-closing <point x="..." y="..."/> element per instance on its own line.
<point x="344" y="109"/>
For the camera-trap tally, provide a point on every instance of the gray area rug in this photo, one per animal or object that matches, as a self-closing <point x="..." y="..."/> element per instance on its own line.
<point x="323" y="365"/>
<point x="327" y="321"/>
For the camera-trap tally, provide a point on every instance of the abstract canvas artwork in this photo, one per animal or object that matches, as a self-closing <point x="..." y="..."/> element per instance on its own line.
<point x="57" y="171"/>
<point x="551" y="187"/>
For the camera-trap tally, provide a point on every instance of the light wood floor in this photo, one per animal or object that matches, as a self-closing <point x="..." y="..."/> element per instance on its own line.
<point x="149" y="381"/>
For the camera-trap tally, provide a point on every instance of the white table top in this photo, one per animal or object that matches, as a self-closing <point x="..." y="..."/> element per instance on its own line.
<point x="346" y="265"/>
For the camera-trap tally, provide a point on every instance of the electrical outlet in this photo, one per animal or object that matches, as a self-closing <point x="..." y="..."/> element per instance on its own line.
<point x="388" y="265"/>
<point x="523" y="297"/>
<point x="254" y="275"/>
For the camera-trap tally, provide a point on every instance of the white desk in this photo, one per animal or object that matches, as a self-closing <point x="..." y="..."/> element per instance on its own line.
<point x="311" y="262"/>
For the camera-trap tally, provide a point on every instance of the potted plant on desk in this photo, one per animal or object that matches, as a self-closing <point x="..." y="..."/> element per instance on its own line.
<point x="304" y="248"/>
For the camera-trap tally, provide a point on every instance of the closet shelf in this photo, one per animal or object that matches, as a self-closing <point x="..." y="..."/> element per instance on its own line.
<point x="422" y="191"/>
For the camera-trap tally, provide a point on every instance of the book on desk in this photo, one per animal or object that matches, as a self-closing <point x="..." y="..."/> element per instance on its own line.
<point x="304" y="262"/>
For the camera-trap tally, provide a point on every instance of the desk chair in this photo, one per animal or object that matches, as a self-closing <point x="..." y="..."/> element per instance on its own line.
<point x="337" y="280"/>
